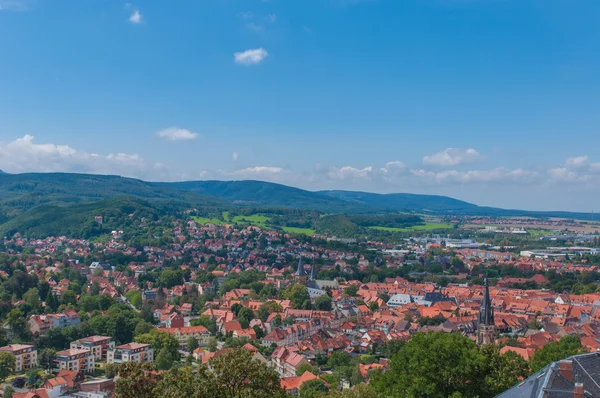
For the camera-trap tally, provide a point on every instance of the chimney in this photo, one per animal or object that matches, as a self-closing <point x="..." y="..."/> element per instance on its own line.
<point x="578" y="390"/>
<point x="566" y="369"/>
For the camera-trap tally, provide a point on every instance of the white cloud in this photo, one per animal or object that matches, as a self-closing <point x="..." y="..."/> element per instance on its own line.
<point x="135" y="17"/>
<point x="235" y="156"/>
<point x="576" y="162"/>
<point x="15" y="5"/>
<point x="250" y="57"/>
<point x="271" y="18"/>
<point x="452" y="157"/>
<point x="350" y="173"/>
<point x="25" y="155"/>
<point x="499" y="174"/>
<point x="177" y="134"/>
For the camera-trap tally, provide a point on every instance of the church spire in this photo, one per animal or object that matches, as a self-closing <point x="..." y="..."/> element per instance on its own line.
<point x="486" y="315"/>
<point x="300" y="270"/>
<point x="313" y="273"/>
<point x="486" y="330"/>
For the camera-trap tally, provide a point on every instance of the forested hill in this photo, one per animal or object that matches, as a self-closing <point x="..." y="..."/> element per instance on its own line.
<point x="20" y="193"/>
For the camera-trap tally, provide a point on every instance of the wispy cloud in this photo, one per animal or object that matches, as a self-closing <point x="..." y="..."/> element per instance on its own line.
<point x="15" y="5"/>
<point x="135" y="17"/>
<point x="452" y="157"/>
<point x="250" y="57"/>
<point x="235" y="156"/>
<point x="177" y="134"/>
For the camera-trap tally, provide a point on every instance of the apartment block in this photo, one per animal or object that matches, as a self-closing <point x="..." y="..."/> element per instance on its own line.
<point x="25" y="355"/>
<point x="98" y="345"/>
<point x="132" y="352"/>
<point x="77" y="360"/>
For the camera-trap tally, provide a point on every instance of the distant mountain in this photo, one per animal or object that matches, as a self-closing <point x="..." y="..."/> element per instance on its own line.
<point x="78" y="220"/>
<point x="261" y="194"/>
<point x="404" y="201"/>
<point x="49" y="199"/>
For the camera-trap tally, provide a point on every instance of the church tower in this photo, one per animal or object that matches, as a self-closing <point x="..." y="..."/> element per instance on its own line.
<point x="486" y="330"/>
<point x="300" y="275"/>
<point x="313" y="272"/>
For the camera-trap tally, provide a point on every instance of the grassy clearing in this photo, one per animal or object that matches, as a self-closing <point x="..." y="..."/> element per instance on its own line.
<point x="204" y="220"/>
<point x="254" y="219"/>
<point x="540" y="232"/>
<point x="430" y="226"/>
<point x="226" y="216"/>
<point x="301" y="231"/>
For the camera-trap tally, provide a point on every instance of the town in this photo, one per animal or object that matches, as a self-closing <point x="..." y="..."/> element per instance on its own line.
<point x="323" y="313"/>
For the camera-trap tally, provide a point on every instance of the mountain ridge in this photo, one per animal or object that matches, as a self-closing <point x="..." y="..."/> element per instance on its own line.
<point x="22" y="192"/>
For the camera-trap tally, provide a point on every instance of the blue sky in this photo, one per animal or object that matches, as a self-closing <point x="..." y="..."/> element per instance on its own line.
<point x="492" y="101"/>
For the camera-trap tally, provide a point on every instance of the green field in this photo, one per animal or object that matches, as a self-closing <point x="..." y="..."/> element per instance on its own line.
<point x="539" y="232"/>
<point x="204" y="220"/>
<point x="254" y="219"/>
<point x="302" y="231"/>
<point x="430" y="226"/>
<point x="226" y="216"/>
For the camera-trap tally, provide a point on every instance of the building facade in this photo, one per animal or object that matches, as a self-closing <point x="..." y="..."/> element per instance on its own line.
<point x="25" y="356"/>
<point x="76" y="360"/>
<point x="132" y="352"/>
<point x="98" y="345"/>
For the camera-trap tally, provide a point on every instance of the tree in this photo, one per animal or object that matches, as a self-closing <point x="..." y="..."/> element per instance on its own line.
<point x="212" y="344"/>
<point x="323" y="303"/>
<point x="164" y="359"/>
<point x="110" y="370"/>
<point x="434" y="365"/>
<point x="236" y="307"/>
<point x="7" y="365"/>
<point x="298" y="295"/>
<point x="567" y="346"/>
<point x="313" y="388"/>
<point x="307" y="367"/>
<point x="8" y="391"/>
<point x="135" y="380"/>
<point x="46" y="358"/>
<point x="237" y="374"/>
<point x="358" y="391"/>
<point x="351" y="291"/>
<point x="16" y="322"/>
<point x="51" y="301"/>
<point x="32" y="297"/>
<point x="245" y="316"/>
<point x="68" y="297"/>
<point x="502" y="370"/>
<point x="339" y="358"/>
<point x="192" y="344"/>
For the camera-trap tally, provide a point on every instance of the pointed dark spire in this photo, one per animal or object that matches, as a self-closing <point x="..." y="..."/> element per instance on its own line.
<point x="486" y="314"/>
<point x="313" y="273"/>
<point x="300" y="271"/>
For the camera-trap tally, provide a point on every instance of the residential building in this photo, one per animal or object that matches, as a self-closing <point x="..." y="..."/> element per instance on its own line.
<point x="25" y="355"/>
<point x="132" y="352"/>
<point x="39" y="324"/>
<point x="77" y="360"/>
<point x="99" y="345"/>
<point x="182" y="334"/>
<point x="286" y="362"/>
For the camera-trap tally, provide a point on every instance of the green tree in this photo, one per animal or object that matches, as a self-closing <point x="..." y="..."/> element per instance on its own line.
<point x="192" y="344"/>
<point x="339" y="358"/>
<point x="567" y="346"/>
<point x="135" y="380"/>
<point x="351" y="290"/>
<point x="313" y="388"/>
<point x="8" y="391"/>
<point x="236" y="307"/>
<point x="323" y="303"/>
<point x="298" y="295"/>
<point x="68" y="297"/>
<point x="46" y="358"/>
<point x="358" y="391"/>
<point x="245" y="316"/>
<point x="32" y="297"/>
<point x="164" y="359"/>
<point x="502" y="371"/>
<point x="307" y="367"/>
<point x="434" y="365"/>
<point x="110" y="370"/>
<point x="7" y="365"/>
<point x="16" y="322"/>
